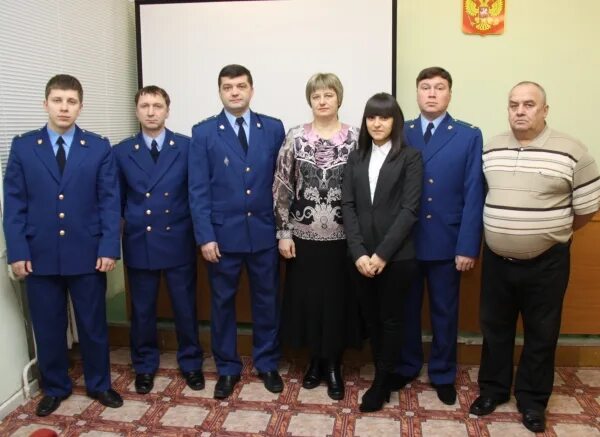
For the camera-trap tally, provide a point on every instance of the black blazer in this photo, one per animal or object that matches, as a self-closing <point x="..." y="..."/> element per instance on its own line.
<point x="384" y="225"/>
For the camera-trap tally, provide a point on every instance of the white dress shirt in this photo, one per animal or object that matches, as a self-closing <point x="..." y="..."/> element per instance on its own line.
<point x="378" y="155"/>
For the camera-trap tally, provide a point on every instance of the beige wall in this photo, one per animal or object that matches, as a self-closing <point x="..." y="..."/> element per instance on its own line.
<point x="553" y="42"/>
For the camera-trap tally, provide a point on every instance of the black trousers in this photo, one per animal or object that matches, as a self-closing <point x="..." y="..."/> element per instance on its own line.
<point x="381" y="301"/>
<point x="535" y="289"/>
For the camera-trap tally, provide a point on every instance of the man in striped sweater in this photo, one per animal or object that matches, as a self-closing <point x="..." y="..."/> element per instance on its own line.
<point x="542" y="186"/>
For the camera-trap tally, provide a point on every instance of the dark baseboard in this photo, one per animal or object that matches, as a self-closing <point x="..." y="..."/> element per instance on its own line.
<point x="571" y="355"/>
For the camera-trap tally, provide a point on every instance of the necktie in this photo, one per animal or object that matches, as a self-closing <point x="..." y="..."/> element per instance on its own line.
<point x="428" y="134"/>
<point x="154" y="150"/>
<point x="242" y="134"/>
<point x="61" y="156"/>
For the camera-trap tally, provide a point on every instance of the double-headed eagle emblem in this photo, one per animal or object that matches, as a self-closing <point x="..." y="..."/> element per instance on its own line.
<point x="484" y="15"/>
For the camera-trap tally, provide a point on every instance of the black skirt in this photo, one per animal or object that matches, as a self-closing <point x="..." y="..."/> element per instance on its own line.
<point x="320" y="308"/>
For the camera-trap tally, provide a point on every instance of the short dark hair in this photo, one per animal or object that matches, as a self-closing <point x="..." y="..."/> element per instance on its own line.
<point x="431" y="72"/>
<point x="155" y="90"/>
<point x="383" y="105"/>
<point x="64" y="82"/>
<point x="235" y="70"/>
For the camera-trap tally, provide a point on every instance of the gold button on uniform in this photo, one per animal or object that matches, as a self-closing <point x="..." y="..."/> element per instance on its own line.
<point x="62" y="233"/>
<point x="61" y="215"/>
<point x="148" y="228"/>
<point x="148" y="212"/>
<point x="61" y="197"/>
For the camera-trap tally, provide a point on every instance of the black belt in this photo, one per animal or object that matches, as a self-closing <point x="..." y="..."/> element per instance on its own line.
<point x="540" y="257"/>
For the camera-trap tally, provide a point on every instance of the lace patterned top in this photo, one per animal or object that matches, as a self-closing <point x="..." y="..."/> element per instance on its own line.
<point x="308" y="183"/>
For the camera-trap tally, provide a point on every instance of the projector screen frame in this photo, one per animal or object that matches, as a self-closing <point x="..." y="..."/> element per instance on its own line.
<point x="139" y="3"/>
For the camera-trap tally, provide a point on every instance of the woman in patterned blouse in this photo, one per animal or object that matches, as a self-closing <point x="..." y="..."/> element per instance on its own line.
<point x="318" y="309"/>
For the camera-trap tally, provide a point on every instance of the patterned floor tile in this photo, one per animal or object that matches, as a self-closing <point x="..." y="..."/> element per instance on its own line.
<point x="184" y="416"/>
<point x="316" y="395"/>
<point x="130" y="411"/>
<point x="563" y="404"/>
<point x="376" y="427"/>
<point x="100" y="434"/>
<point x="174" y="410"/>
<point x="310" y="425"/>
<point x="26" y="430"/>
<point x="446" y="428"/>
<point x="74" y="404"/>
<point x="247" y="421"/>
<point x="508" y="429"/>
<point x="256" y="392"/>
<point x="575" y="430"/>
<point x="589" y="377"/>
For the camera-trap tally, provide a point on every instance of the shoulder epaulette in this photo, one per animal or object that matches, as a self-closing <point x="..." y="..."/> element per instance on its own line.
<point x="205" y="120"/>
<point x="464" y="123"/>
<point x="93" y="134"/>
<point x="31" y="132"/>
<point x="124" y="140"/>
<point x="185" y="137"/>
<point x="266" y="116"/>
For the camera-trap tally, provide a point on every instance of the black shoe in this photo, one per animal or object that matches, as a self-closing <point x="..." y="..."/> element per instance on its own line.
<point x="272" y="381"/>
<point x="225" y="385"/>
<point x="335" y="383"/>
<point x="398" y="382"/>
<point x="108" y="398"/>
<point x="377" y="394"/>
<point x="194" y="379"/>
<point x="484" y="405"/>
<point x="534" y="420"/>
<point x="445" y="393"/>
<point x="144" y="383"/>
<point x="49" y="404"/>
<point x="313" y="376"/>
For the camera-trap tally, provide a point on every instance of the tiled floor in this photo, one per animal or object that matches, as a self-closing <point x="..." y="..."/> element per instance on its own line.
<point x="172" y="409"/>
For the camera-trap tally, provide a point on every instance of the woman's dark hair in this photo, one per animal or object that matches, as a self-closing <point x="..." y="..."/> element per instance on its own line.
<point x="384" y="105"/>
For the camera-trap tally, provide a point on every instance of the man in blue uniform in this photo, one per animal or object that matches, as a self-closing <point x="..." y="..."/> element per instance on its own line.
<point x="448" y="233"/>
<point x="61" y="222"/>
<point x="231" y="168"/>
<point x="158" y="238"/>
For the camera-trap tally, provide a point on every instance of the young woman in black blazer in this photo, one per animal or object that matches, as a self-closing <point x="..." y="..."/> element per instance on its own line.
<point x="380" y="197"/>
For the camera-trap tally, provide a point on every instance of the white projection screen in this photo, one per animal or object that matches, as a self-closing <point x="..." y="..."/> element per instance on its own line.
<point x="183" y="45"/>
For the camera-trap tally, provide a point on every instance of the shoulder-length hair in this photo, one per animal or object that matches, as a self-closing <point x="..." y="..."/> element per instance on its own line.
<point x="383" y="105"/>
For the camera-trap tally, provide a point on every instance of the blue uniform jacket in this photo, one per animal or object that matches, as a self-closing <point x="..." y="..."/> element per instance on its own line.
<point x="230" y="192"/>
<point x="61" y="224"/>
<point x="451" y="213"/>
<point x="158" y="230"/>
